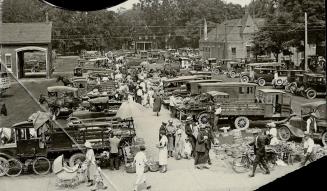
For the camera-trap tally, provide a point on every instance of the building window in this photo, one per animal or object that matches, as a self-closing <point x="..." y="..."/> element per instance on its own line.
<point x="234" y="52"/>
<point x="8" y="61"/>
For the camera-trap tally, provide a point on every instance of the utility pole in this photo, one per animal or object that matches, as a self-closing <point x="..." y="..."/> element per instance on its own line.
<point x="225" y="47"/>
<point x="305" y="42"/>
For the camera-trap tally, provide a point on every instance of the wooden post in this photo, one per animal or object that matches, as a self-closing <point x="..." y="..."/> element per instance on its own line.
<point x="305" y="42"/>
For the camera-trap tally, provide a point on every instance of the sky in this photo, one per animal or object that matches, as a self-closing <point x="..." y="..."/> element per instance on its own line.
<point x="128" y="4"/>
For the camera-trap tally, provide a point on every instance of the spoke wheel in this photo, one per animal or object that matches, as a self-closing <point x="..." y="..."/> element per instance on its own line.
<point x="242" y="123"/>
<point x="284" y="133"/>
<point x="41" y="166"/>
<point x="15" y="167"/>
<point x="261" y="82"/>
<point x="245" y="79"/>
<point x="311" y="94"/>
<point x="204" y="118"/>
<point x="241" y="164"/>
<point x="3" y="166"/>
<point x="233" y="74"/>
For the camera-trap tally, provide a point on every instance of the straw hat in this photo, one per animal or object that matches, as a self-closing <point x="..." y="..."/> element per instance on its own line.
<point x="170" y="121"/>
<point x="189" y="118"/>
<point x="87" y="144"/>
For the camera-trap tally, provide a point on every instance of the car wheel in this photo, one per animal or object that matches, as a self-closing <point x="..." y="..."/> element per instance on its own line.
<point x="4" y="166"/>
<point x="245" y="79"/>
<point x="204" y="118"/>
<point x="292" y="88"/>
<point x="311" y="94"/>
<point x="242" y="123"/>
<point x="324" y="138"/>
<point x="284" y="133"/>
<point x="262" y="82"/>
<point x="279" y="82"/>
<point x="232" y="74"/>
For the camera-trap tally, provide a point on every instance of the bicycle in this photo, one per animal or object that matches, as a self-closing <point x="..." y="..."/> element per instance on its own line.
<point x="244" y="162"/>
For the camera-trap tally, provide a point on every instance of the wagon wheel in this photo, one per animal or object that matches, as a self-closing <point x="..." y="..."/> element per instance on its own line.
<point x="311" y="94"/>
<point x="324" y="138"/>
<point x="41" y="166"/>
<point x="233" y="74"/>
<point x="77" y="158"/>
<point x="262" y="82"/>
<point x="3" y="166"/>
<point x="204" y="118"/>
<point x="15" y="167"/>
<point x="284" y="133"/>
<point x="245" y="79"/>
<point x="242" y="122"/>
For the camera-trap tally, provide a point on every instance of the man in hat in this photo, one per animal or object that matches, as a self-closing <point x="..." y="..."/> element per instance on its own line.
<point x="114" y="141"/>
<point x="189" y="133"/>
<point x="308" y="148"/>
<point x="311" y="122"/>
<point x="162" y="129"/>
<point x="171" y="129"/>
<point x="260" y="141"/>
<point x="140" y="162"/>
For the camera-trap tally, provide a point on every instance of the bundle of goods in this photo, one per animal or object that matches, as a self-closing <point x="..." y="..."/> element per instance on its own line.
<point x="237" y="135"/>
<point x="320" y="152"/>
<point x="153" y="166"/>
<point x="131" y="168"/>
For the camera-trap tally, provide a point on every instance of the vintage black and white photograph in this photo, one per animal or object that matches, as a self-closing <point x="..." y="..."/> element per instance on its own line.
<point x="161" y="95"/>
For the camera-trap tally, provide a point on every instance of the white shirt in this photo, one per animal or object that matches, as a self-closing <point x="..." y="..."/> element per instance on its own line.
<point x="139" y="92"/>
<point x="273" y="132"/>
<point x="90" y="156"/>
<point x="309" y="144"/>
<point x="274" y="141"/>
<point x="218" y="111"/>
<point x="309" y="121"/>
<point x="140" y="159"/>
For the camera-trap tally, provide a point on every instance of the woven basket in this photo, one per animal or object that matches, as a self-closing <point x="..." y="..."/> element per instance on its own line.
<point x="154" y="167"/>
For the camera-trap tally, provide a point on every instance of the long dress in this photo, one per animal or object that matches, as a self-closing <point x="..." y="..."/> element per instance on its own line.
<point x="163" y="152"/>
<point x="179" y="142"/>
<point x="157" y="103"/>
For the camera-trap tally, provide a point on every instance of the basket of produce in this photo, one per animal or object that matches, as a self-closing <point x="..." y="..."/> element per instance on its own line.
<point x="131" y="168"/>
<point x="153" y="166"/>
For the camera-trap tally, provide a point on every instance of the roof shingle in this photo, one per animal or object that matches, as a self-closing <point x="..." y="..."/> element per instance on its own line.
<point x="19" y="33"/>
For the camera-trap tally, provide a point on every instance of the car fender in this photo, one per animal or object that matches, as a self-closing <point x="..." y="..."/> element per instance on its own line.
<point x="294" y="130"/>
<point x="5" y="155"/>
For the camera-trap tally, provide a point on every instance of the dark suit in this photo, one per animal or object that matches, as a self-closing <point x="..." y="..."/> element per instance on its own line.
<point x="190" y="136"/>
<point x="201" y="149"/>
<point x="260" y="152"/>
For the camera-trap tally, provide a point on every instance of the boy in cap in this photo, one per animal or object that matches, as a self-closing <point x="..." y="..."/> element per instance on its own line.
<point x="308" y="148"/>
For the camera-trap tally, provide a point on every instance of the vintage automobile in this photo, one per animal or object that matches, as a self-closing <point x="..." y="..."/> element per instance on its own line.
<point x="296" y="87"/>
<point x="82" y="84"/>
<point x="234" y="69"/>
<point x="263" y="76"/>
<point x="314" y="85"/>
<point x="176" y="83"/>
<point x="248" y="74"/>
<point x="4" y="82"/>
<point x="247" y="103"/>
<point x="62" y="100"/>
<point x="296" y="126"/>
<point x="286" y="77"/>
<point x="36" y="147"/>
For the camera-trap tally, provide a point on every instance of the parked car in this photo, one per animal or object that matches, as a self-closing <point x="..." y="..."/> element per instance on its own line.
<point x="248" y="74"/>
<point x="285" y="77"/>
<point x="296" y="126"/>
<point x="263" y="76"/>
<point x="314" y="85"/>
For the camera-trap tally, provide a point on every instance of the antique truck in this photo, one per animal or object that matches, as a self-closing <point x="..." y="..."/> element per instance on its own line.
<point x="33" y="146"/>
<point x="246" y="103"/>
<point x="296" y="125"/>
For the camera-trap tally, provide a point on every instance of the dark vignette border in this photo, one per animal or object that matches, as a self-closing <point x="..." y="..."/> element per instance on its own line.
<point x="83" y="5"/>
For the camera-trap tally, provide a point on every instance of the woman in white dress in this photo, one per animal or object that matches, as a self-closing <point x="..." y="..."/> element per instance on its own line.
<point x="151" y="100"/>
<point x="163" y="152"/>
